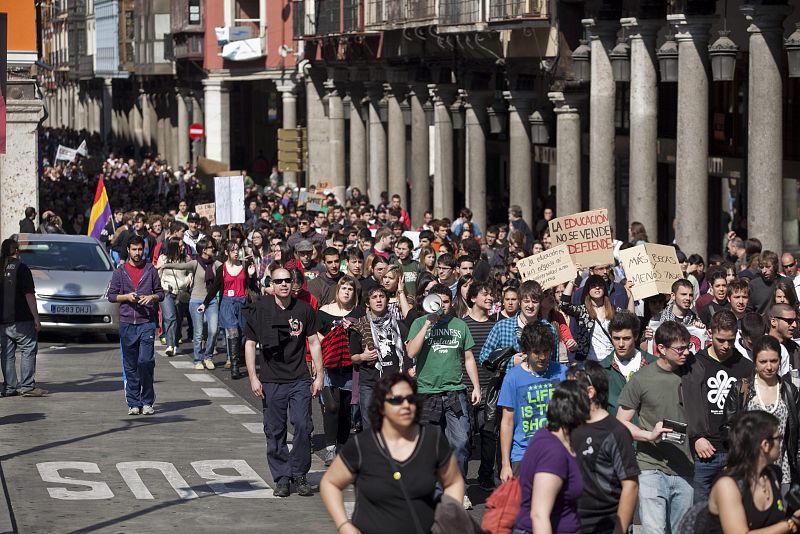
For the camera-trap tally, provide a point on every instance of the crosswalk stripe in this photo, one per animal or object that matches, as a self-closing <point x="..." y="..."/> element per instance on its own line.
<point x="182" y="365"/>
<point x="198" y="377"/>
<point x="217" y="392"/>
<point x="238" y="409"/>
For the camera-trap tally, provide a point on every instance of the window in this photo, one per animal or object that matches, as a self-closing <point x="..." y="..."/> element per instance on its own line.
<point x="248" y="13"/>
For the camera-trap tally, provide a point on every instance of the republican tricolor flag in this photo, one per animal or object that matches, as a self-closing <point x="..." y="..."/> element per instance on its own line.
<point x="101" y="211"/>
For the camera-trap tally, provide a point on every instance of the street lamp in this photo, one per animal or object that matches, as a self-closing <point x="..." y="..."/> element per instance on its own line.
<point x="723" y="57"/>
<point x="582" y="61"/>
<point x="792" y="45"/>
<point x="539" y="133"/>
<point x="668" y="60"/>
<point x="620" y="57"/>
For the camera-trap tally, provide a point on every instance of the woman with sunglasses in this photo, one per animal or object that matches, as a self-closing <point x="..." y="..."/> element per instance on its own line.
<point x="395" y="467"/>
<point x="746" y="497"/>
<point x="768" y="392"/>
<point x="232" y="280"/>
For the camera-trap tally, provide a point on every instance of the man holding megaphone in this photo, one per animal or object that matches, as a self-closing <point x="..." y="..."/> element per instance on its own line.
<point x="441" y="343"/>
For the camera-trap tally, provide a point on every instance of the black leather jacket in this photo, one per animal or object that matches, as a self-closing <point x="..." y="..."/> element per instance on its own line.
<point x="739" y="397"/>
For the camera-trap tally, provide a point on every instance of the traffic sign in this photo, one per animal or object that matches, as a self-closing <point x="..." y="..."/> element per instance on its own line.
<point x="196" y="131"/>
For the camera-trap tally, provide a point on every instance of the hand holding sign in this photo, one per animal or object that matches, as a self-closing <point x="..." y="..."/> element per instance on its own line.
<point x="651" y="268"/>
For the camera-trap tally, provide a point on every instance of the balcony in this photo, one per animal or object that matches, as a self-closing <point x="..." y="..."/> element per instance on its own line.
<point x="461" y="12"/>
<point x="518" y="10"/>
<point x="187" y="46"/>
<point x="388" y="14"/>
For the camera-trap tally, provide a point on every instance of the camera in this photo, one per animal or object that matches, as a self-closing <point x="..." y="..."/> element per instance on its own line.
<point x="677" y="433"/>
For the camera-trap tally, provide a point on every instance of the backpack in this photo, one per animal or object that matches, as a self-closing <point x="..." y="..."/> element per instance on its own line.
<point x="502" y="507"/>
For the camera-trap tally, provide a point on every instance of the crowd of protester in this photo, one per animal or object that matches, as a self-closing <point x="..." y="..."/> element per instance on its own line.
<point x="582" y="403"/>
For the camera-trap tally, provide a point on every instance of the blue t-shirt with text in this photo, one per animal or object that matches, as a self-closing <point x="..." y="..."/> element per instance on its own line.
<point x="528" y="396"/>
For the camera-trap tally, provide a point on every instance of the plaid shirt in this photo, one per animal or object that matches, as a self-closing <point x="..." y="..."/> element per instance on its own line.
<point x="506" y="334"/>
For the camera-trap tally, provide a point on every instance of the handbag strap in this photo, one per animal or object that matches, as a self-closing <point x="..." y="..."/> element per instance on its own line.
<point x="398" y="476"/>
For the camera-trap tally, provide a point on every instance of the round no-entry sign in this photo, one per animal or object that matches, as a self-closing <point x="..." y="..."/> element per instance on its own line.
<point x="196" y="131"/>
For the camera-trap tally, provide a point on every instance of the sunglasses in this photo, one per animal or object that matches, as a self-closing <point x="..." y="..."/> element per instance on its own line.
<point x="790" y="265"/>
<point x="397" y="400"/>
<point x="788" y="320"/>
<point x="281" y="281"/>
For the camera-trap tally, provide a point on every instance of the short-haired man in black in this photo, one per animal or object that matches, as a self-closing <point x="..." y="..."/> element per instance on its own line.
<point x="282" y="382"/>
<point x="28" y="224"/>
<point x="710" y="377"/>
<point x="323" y="287"/>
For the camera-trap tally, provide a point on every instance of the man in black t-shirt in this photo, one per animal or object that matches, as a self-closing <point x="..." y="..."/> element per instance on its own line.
<point x="19" y="324"/>
<point x="283" y="325"/>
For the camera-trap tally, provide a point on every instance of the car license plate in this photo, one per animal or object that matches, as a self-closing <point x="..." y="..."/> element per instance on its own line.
<point x="69" y="309"/>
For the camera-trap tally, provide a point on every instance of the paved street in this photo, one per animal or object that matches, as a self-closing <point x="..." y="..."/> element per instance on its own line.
<point x="76" y="462"/>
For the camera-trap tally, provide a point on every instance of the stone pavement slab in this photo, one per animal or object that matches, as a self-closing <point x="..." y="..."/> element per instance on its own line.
<point x="76" y="462"/>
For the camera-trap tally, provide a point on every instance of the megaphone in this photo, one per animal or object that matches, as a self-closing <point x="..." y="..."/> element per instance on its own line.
<point x="432" y="304"/>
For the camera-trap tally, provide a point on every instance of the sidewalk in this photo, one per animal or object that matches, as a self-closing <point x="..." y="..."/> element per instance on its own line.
<point x="76" y="462"/>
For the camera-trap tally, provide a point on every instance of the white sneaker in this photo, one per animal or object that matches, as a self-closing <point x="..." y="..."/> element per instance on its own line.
<point x="199" y="366"/>
<point x="148" y="410"/>
<point x="209" y="364"/>
<point x="170" y="352"/>
<point x="133" y="410"/>
<point x="467" y="502"/>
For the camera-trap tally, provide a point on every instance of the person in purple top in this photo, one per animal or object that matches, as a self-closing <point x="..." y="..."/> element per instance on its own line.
<point x="549" y="477"/>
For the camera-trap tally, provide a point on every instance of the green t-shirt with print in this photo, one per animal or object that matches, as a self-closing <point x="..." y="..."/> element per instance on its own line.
<point x="439" y="363"/>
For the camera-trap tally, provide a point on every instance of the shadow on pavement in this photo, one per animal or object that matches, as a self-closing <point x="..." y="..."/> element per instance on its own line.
<point x="21" y="418"/>
<point x="128" y="424"/>
<point x="174" y="406"/>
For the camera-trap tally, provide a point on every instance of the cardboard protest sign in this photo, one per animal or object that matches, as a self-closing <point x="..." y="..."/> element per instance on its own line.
<point x="550" y="268"/>
<point x="587" y="236"/>
<point x="208" y="211"/>
<point x="652" y="268"/>
<point x="229" y="199"/>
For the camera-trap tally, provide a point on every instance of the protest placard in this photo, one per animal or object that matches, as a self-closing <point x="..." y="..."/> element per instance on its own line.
<point x="550" y="268"/>
<point x="229" y="199"/>
<point x="208" y="211"/>
<point x="651" y="267"/>
<point x="587" y="236"/>
<point x="698" y="338"/>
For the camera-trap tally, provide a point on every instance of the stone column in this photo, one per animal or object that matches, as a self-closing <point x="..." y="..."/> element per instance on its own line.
<point x="476" y="122"/>
<point x="184" y="154"/>
<point x="358" y="139"/>
<point x="397" y="145"/>
<point x="443" y="96"/>
<point x="216" y="96"/>
<point x="420" y="155"/>
<point x="97" y="105"/>
<point x="319" y="159"/>
<point x="643" y="175"/>
<point x="519" y="152"/>
<point x="162" y="126"/>
<point x="765" y="126"/>
<point x="602" y="128"/>
<point x="336" y="141"/>
<point x="107" y="123"/>
<point x="136" y="121"/>
<point x="289" y="111"/>
<point x="568" y="154"/>
<point x="19" y="184"/>
<point x="790" y="208"/>
<point x="198" y="145"/>
<point x="691" y="172"/>
<point x="148" y="114"/>
<point x="174" y="136"/>
<point x="377" y="145"/>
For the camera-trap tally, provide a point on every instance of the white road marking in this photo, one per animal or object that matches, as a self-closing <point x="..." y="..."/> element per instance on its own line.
<point x="182" y="365"/>
<point x="198" y="377"/>
<point x="238" y="409"/>
<point x="255" y="428"/>
<point x="217" y="392"/>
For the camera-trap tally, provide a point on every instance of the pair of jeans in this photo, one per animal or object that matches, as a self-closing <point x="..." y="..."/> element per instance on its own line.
<point x="280" y="400"/>
<point x="457" y="429"/>
<point x="211" y="318"/>
<point x="22" y="336"/>
<point x="663" y="501"/>
<point x="364" y="398"/>
<point x="488" y="442"/>
<point x="170" y="321"/>
<point x="137" y="342"/>
<point x="705" y="471"/>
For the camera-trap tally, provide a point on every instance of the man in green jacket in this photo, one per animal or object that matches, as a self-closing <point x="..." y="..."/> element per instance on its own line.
<point x="626" y="358"/>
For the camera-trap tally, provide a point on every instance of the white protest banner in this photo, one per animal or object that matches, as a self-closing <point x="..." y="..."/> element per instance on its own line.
<point x="587" y="236"/>
<point x="82" y="150"/>
<point x="651" y="267"/>
<point x="413" y="236"/>
<point x="698" y="338"/>
<point x="550" y="268"/>
<point x="229" y="199"/>
<point x="209" y="211"/>
<point x="65" y="153"/>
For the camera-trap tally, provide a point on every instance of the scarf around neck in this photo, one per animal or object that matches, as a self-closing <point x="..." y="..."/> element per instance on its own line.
<point x="386" y="335"/>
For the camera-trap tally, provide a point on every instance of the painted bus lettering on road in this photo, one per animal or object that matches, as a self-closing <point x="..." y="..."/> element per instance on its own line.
<point x="239" y="481"/>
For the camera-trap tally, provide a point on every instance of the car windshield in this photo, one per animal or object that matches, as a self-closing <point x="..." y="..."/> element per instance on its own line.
<point x="64" y="256"/>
